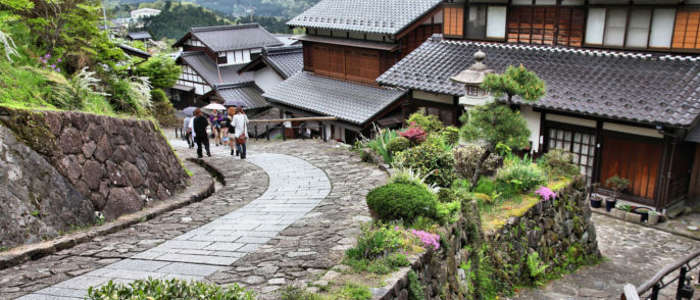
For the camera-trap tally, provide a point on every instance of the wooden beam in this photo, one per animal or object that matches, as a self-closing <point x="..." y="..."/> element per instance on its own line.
<point x="293" y="120"/>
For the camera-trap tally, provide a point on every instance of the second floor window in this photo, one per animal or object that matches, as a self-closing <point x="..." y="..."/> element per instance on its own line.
<point x="634" y="28"/>
<point x="547" y="25"/>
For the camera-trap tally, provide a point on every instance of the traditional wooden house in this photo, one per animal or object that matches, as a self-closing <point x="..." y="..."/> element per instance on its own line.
<point x="347" y="44"/>
<point x="212" y="60"/>
<point x="623" y="85"/>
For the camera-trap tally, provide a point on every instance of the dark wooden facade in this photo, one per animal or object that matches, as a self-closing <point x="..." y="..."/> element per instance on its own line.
<point x="659" y="169"/>
<point x="347" y="63"/>
<point x="565" y="25"/>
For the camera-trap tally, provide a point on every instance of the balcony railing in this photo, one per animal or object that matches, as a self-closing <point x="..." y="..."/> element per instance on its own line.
<point x="651" y="288"/>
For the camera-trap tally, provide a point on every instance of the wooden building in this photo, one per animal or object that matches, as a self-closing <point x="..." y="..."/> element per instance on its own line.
<point x="622" y="83"/>
<point x="347" y="44"/>
<point x="212" y="60"/>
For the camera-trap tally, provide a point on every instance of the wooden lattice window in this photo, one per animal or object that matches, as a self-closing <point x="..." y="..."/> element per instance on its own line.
<point x="686" y="31"/>
<point x="546" y="25"/>
<point x="580" y="143"/>
<point x="453" y="22"/>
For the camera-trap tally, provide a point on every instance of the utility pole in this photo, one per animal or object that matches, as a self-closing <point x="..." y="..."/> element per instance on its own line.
<point x="104" y="15"/>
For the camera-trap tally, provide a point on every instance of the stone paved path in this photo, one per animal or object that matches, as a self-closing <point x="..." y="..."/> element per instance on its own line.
<point x="295" y="188"/>
<point x="633" y="255"/>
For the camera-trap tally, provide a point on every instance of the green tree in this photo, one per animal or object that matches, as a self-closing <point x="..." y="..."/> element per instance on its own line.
<point x="161" y="71"/>
<point x="494" y="124"/>
<point x="515" y="81"/>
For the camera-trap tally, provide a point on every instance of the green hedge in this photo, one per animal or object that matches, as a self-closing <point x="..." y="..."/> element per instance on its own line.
<point x="397" y="201"/>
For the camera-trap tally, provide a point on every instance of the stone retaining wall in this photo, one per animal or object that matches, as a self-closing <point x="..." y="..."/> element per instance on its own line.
<point x="118" y="164"/>
<point x="560" y="231"/>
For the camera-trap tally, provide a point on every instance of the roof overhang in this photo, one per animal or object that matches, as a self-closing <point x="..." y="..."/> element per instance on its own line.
<point x="183" y="88"/>
<point x="349" y="43"/>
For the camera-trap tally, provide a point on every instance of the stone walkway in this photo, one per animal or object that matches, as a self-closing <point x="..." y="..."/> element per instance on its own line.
<point x="633" y="254"/>
<point x="295" y="187"/>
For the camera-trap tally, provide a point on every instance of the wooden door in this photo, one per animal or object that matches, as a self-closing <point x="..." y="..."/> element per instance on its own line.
<point x="634" y="158"/>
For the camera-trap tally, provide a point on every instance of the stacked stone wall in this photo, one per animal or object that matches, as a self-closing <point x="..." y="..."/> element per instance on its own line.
<point x="118" y="164"/>
<point x="560" y="231"/>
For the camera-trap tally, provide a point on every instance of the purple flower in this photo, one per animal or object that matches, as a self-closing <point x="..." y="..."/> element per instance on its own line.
<point x="43" y="60"/>
<point x="53" y="66"/>
<point x="59" y="60"/>
<point x="48" y="55"/>
<point x="428" y="239"/>
<point x="546" y="193"/>
<point x="58" y="69"/>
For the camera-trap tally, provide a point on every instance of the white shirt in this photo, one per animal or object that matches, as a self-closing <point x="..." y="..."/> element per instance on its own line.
<point x="191" y="126"/>
<point x="240" y="123"/>
<point x="186" y="124"/>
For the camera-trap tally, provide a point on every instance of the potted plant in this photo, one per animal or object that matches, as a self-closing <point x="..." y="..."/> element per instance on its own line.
<point x="596" y="200"/>
<point x="653" y="217"/>
<point x="643" y="211"/>
<point x="618" y="185"/>
<point x="620" y="210"/>
<point x="631" y="216"/>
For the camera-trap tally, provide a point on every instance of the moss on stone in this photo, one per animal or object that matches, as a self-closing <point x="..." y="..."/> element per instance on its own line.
<point x="31" y="128"/>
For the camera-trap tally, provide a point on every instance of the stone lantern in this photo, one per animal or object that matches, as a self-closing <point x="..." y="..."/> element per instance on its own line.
<point x="472" y="78"/>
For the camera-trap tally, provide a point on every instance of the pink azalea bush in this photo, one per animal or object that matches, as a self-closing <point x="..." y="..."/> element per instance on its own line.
<point x="428" y="239"/>
<point x="546" y="193"/>
<point x="414" y="133"/>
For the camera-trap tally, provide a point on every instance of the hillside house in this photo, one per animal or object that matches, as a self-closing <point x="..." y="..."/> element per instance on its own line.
<point x="347" y="44"/>
<point x="212" y="60"/>
<point x="623" y="83"/>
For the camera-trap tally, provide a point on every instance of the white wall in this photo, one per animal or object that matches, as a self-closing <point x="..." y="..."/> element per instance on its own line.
<point x="439" y="98"/>
<point x="632" y="130"/>
<point x="266" y="78"/>
<point x="571" y="120"/>
<point x="533" y="123"/>
<point x="236" y="57"/>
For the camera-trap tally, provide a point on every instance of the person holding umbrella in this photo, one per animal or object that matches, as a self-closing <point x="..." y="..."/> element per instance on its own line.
<point x="240" y="122"/>
<point x="200" y="124"/>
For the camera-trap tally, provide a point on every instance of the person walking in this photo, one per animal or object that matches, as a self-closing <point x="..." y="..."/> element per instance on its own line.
<point x="188" y="131"/>
<point x="240" y="122"/>
<point x="200" y="124"/>
<point x="230" y="113"/>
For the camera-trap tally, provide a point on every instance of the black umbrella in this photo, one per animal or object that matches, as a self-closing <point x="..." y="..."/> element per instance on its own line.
<point x="189" y="111"/>
<point x="238" y="103"/>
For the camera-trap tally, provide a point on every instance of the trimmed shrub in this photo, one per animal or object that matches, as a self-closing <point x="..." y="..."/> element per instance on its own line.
<point x="518" y="176"/>
<point x="467" y="158"/>
<point x="168" y="289"/>
<point x="429" y="123"/>
<point x="451" y="135"/>
<point x="429" y="159"/>
<point x="558" y="163"/>
<point x="397" y="201"/>
<point x="398" y="144"/>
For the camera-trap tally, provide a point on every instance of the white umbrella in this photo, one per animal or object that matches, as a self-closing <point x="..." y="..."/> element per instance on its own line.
<point x="215" y="106"/>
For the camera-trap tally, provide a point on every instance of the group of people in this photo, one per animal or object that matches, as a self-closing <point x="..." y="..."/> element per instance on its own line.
<point x="229" y="129"/>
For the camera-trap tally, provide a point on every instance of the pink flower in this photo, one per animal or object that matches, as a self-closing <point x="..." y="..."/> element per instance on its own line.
<point x="546" y="193"/>
<point x="59" y="60"/>
<point x="428" y="239"/>
<point x="414" y="134"/>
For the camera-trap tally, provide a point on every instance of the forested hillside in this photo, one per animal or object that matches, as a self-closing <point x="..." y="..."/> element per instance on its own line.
<point x="175" y="20"/>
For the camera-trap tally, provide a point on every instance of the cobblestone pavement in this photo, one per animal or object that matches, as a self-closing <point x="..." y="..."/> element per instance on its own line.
<point x="633" y="255"/>
<point x="250" y="182"/>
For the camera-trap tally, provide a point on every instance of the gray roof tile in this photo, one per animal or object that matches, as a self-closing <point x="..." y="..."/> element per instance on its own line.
<point x="351" y="102"/>
<point x="372" y="16"/>
<point x="249" y="94"/>
<point x="641" y="88"/>
<point x="140" y="35"/>
<point x="235" y="37"/>
<point x="206" y="67"/>
<point x="286" y="60"/>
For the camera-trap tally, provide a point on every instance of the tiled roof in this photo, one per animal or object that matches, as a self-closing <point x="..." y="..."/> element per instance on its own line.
<point x="141" y="35"/>
<point x="285" y="60"/>
<point x="249" y="94"/>
<point x="133" y="51"/>
<point x="635" y="87"/>
<point x="350" y="102"/>
<point x="206" y="67"/>
<point x="235" y="37"/>
<point x="372" y="16"/>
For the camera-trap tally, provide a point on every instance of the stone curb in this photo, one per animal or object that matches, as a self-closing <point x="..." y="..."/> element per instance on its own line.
<point x="214" y="171"/>
<point x="200" y="189"/>
<point x="648" y="226"/>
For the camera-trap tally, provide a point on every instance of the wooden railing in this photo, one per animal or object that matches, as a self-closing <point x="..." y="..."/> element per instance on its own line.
<point x="653" y="286"/>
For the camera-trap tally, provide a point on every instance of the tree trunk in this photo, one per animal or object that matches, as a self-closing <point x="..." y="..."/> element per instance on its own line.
<point x="477" y="171"/>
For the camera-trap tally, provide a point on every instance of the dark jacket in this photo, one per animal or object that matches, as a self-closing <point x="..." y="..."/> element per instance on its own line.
<point x="200" y="126"/>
